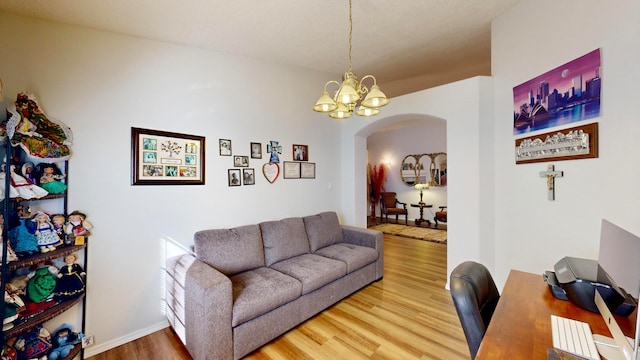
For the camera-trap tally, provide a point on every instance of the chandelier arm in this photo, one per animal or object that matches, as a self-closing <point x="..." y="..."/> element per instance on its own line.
<point x="350" y="34"/>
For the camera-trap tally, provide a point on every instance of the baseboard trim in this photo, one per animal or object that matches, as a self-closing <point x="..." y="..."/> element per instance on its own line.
<point x="102" y="347"/>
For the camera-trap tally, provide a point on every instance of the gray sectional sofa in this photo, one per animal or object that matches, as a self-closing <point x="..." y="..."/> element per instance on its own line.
<point x="248" y="285"/>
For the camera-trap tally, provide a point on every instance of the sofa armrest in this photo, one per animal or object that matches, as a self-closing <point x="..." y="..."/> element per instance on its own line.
<point x="208" y="313"/>
<point x="369" y="238"/>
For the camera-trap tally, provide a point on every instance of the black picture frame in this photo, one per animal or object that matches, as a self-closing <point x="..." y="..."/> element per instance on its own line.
<point x="225" y="147"/>
<point x="248" y="176"/>
<point x="256" y="150"/>
<point x="166" y="158"/>
<point x="234" y="177"/>
<point x="291" y="170"/>
<point x="307" y="170"/>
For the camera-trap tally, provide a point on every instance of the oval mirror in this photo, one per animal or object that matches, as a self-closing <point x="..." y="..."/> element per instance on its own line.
<point x="439" y="169"/>
<point x="412" y="169"/>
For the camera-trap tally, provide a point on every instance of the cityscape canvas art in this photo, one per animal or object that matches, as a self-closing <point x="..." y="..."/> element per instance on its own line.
<point x="564" y="95"/>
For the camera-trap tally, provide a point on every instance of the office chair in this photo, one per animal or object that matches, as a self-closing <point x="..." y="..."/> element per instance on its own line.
<point x="475" y="297"/>
<point x="389" y="206"/>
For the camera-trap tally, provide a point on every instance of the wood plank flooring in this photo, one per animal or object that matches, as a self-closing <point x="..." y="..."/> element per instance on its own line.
<point x="408" y="315"/>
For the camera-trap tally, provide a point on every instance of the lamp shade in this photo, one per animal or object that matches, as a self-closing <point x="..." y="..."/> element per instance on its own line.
<point x="347" y="94"/>
<point x="367" y="111"/>
<point x="375" y="98"/>
<point x="325" y="103"/>
<point x="342" y="112"/>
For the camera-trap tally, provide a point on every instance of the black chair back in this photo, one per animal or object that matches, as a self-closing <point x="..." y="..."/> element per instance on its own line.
<point x="475" y="297"/>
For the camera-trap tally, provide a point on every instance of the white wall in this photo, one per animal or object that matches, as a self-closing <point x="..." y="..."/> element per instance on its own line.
<point x="532" y="233"/>
<point x="390" y="146"/>
<point x="102" y="84"/>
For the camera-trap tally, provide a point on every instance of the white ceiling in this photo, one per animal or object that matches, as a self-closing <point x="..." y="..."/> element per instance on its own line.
<point x="437" y="41"/>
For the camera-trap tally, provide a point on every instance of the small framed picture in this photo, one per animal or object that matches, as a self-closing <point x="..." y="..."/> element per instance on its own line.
<point x="248" y="177"/>
<point x="291" y="170"/>
<point x="300" y="152"/>
<point x="256" y="150"/>
<point x="225" y="147"/>
<point x="240" y="161"/>
<point x="308" y="170"/>
<point x="234" y="177"/>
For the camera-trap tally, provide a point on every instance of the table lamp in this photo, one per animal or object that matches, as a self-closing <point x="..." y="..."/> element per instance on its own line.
<point x="420" y="186"/>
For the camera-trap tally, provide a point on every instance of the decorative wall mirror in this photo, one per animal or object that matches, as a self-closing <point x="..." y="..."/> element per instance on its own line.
<point x="424" y="168"/>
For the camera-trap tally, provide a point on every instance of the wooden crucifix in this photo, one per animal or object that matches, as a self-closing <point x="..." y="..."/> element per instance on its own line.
<point x="551" y="175"/>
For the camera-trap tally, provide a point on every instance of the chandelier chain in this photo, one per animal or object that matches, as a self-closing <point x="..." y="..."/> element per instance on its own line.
<point x="350" y="34"/>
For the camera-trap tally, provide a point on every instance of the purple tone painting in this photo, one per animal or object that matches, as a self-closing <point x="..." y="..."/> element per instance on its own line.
<point x="566" y="94"/>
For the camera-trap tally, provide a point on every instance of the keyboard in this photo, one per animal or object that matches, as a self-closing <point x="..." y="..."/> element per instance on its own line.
<point x="574" y="337"/>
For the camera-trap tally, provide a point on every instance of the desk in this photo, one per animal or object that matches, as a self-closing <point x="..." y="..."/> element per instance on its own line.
<point x="521" y="325"/>
<point x="422" y="206"/>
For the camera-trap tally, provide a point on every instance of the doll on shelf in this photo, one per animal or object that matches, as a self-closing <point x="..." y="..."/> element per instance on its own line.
<point x="63" y="341"/>
<point x="13" y="304"/>
<point x="28" y="172"/>
<point x="19" y="186"/>
<point x="11" y="255"/>
<point x="30" y="129"/>
<point x="70" y="282"/>
<point x="42" y="282"/>
<point x="50" y="178"/>
<point x="78" y="224"/>
<point x="21" y="232"/>
<point x="47" y="237"/>
<point x="58" y="221"/>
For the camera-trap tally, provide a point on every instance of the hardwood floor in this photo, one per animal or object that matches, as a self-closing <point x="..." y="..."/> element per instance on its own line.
<point x="407" y="315"/>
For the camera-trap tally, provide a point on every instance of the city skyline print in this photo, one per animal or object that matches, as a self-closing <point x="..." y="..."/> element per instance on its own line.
<point x="566" y="94"/>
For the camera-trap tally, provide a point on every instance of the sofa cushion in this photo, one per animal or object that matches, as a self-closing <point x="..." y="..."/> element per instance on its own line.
<point x="230" y="251"/>
<point x="283" y="239"/>
<point x="258" y="291"/>
<point x="313" y="271"/>
<point x="355" y="256"/>
<point x="323" y="230"/>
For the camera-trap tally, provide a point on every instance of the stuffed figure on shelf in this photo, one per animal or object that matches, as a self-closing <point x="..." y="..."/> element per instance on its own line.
<point x="78" y="224"/>
<point x="58" y="221"/>
<point x="42" y="282"/>
<point x="63" y="341"/>
<point x="11" y="255"/>
<point x="21" y="232"/>
<point x="49" y="178"/>
<point x="70" y="279"/>
<point x="34" y="344"/>
<point x="47" y="237"/>
<point x="20" y="187"/>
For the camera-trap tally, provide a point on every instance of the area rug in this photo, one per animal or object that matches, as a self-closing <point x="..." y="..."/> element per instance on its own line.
<point x="434" y="235"/>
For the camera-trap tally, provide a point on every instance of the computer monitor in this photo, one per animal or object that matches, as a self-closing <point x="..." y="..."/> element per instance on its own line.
<point x="619" y="255"/>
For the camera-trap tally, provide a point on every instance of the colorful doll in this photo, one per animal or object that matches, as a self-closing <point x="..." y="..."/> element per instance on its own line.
<point x="58" y="221"/>
<point x="20" y="232"/>
<point x="63" y="341"/>
<point x="70" y="279"/>
<point x="27" y="172"/>
<point x="42" y="282"/>
<point x="78" y="225"/>
<point x="20" y="187"/>
<point x="50" y="179"/>
<point x="48" y="239"/>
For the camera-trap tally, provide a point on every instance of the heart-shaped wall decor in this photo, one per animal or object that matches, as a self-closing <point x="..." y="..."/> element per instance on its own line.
<point x="271" y="171"/>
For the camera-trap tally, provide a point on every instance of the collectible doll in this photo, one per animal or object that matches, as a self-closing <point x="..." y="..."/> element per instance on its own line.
<point x="63" y="341"/>
<point x="58" y="221"/>
<point x="42" y="282"/>
<point x="70" y="279"/>
<point x="48" y="239"/>
<point x="34" y="344"/>
<point x="20" y="232"/>
<point x="27" y="172"/>
<point x="78" y="225"/>
<point x="50" y="179"/>
<point x="20" y="187"/>
<point x="12" y="305"/>
<point x="11" y="255"/>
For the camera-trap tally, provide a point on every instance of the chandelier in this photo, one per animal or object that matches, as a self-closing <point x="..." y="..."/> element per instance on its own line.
<point x="350" y="92"/>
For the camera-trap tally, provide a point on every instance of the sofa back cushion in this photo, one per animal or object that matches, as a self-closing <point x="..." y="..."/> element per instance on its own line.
<point x="283" y="239"/>
<point x="230" y="251"/>
<point x="323" y="230"/>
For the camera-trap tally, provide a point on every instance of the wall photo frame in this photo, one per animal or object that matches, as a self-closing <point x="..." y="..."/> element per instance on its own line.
<point x="248" y="177"/>
<point x="166" y="158"/>
<point x="307" y="170"/>
<point x="291" y="170"/>
<point x="580" y="142"/>
<point x="300" y="152"/>
<point x="225" y="147"/>
<point x="256" y="150"/>
<point x="240" y="161"/>
<point x="234" y="177"/>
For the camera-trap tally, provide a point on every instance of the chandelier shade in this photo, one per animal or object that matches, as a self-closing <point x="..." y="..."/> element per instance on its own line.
<point x="350" y="93"/>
